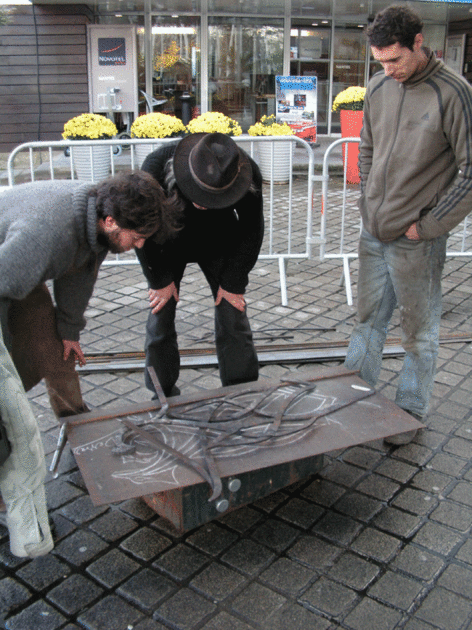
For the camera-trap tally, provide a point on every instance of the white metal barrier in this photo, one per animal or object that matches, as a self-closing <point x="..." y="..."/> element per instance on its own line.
<point x="333" y="243"/>
<point x="48" y="160"/>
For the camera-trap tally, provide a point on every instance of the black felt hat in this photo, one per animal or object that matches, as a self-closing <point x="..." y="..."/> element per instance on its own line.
<point x="211" y="170"/>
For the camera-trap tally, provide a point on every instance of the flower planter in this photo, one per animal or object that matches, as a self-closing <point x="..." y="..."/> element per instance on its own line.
<point x="141" y="151"/>
<point x="351" y="125"/>
<point x="281" y="152"/>
<point x="91" y="163"/>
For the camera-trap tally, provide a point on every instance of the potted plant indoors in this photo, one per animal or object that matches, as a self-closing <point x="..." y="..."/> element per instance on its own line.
<point x="91" y="163"/>
<point x="279" y="153"/>
<point x="154" y="125"/>
<point x="350" y="104"/>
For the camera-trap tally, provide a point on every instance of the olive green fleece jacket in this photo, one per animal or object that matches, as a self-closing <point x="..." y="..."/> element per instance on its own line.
<point x="415" y="156"/>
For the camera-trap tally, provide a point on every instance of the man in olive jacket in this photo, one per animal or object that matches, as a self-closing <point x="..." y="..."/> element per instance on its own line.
<point x="416" y="185"/>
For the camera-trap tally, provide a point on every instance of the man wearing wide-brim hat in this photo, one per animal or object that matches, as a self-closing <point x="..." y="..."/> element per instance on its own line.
<point x="217" y="193"/>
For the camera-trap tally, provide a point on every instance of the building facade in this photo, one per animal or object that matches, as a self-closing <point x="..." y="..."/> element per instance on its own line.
<point x="220" y="55"/>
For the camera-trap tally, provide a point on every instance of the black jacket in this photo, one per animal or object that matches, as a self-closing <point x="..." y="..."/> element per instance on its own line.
<point x="230" y="236"/>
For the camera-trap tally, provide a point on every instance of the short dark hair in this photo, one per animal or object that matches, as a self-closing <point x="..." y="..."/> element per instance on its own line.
<point x="136" y="202"/>
<point x="394" y="24"/>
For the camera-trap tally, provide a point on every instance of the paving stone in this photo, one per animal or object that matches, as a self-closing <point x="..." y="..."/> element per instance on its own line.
<point x="378" y="487"/>
<point x="256" y="603"/>
<point x="438" y="606"/>
<point x="458" y="447"/>
<point x="44" y="571"/>
<point x="113" y="525"/>
<point x="418" y="562"/>
<point x="271" y="502"/>
<point x="417" y="624"/>
<point x="314" y="552"/>
<point x="39" y="616"/>
<point x="457" y="579"/>
<point x="413" y="453"/>
<point x="353" y="572"/>
<point x="296" y="617"/>
<point x="112" y="568"/>
<point x="181" y="562"/>
<point x="447" y="464"/>
<point x="149" y="624"/>
<point x="431" y="481"/>
<point x="343" y="474"/>
<point x="461" y="493"/>
<point x="415" y="501"/>
<point x="329" y="597"/>
<point x="60" y="492"/>
<point x="248" y="556"/>
<point x="110" y="613"/>
<point x="453" y="515"/>
<point x="375" y="544"/>
<point x="359" y="506"/>
<point x="217" y="582"/>
<point x="437" y="538"/>
<point x="74" y="594"/>
<point x="80" y="547"/>
<point x="224" y="621"/>
<point x="300" y="513"/>
<point x="145" y="544"/>
<point x="82" y="510"/>
<point x="323" y="492"/>
<point x="242" y="519"/>
<point x="363" y="457"/>
<point x="12" y="594"/>
<point x="212" y="539"/>
<point x="146" y="589"/>
<point x="287" y="576"/>
<point x="338" y="528"/>
<point x="397" y="590"/>
<point x="370" y="614"/>
<point x="275" y="534"/>
<point x="465" y="552"/>
<point x="397" y="522"/>
<point x="185" y="610"/>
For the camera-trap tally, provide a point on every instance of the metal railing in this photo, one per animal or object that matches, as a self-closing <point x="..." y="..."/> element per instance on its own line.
<point x="334" y="242"/>
<point x="54" y="160"/>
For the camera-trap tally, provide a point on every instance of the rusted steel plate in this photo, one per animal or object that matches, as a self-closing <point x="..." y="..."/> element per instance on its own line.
<point x="246" y="427"/>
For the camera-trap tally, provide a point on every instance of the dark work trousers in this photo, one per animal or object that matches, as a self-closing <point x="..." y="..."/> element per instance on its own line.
<point x="37" y="351"/>
<point x="237" y="358"/>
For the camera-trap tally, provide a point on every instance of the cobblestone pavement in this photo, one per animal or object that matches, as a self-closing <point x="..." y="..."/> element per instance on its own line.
<point x="378" y="539"/>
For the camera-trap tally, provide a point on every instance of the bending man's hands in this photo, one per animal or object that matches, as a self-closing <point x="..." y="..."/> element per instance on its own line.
<point x="73" y="346"/>
<point x="158" y="298"/>
<point x="235" y="299"/>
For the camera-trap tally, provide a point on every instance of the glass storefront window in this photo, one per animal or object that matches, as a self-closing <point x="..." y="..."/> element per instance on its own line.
<point x="243" y="60"/>
<point x="309" y="56"/>
<point x="274" y="7"/>
<point x="175" y="63"/>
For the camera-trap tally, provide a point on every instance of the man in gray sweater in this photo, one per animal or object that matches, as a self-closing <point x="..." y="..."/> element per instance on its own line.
<point x="416" y="185"/>
<point x="60" y="231"/>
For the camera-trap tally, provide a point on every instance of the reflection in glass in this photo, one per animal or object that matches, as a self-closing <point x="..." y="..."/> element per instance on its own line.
<point x="243" y="60"/>
<point x="175" y="63"/>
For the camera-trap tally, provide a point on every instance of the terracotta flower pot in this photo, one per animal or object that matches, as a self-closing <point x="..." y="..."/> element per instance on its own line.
<point x="351" y="125"/>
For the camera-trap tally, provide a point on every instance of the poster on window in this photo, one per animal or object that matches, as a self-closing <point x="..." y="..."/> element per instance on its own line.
<point x="296" y="104"/>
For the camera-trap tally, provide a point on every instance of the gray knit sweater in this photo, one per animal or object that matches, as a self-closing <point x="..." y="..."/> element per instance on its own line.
<point x="48" y="231"/>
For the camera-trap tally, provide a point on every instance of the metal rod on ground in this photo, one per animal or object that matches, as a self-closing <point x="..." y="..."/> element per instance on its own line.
<point x="321" y="352"/>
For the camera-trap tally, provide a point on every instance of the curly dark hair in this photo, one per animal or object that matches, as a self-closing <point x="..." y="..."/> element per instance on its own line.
<point x="136" y="202"/>
<point x="396" y="23"/>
